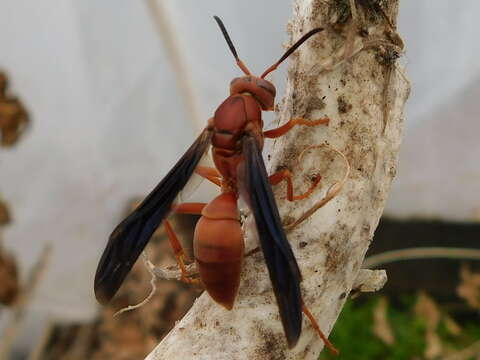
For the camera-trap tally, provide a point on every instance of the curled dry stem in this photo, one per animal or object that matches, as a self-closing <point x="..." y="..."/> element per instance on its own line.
<point x="150" y="267"/>
<point x="170" y="273"/>
<point x="344" y="55"/>
<point x="331" y="192"/>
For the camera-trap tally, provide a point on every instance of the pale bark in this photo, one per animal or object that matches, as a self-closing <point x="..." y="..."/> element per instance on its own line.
<point x="363" y="94"/>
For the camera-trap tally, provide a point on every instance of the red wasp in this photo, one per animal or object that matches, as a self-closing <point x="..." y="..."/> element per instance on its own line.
<point x="236" y="136"/>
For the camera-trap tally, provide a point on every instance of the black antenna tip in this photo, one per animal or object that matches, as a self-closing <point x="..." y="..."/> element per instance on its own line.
<point x="226" y="36"/>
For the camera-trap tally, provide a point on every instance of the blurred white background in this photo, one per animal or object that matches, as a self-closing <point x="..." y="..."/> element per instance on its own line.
<point x="108" y="119"/>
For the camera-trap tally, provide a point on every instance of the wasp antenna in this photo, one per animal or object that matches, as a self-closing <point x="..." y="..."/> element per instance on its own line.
<point x="291" y="50"/>
<point x="240" y="63"/>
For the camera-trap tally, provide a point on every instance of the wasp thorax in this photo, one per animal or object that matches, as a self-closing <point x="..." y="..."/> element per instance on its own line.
<point x="262" y="90"/>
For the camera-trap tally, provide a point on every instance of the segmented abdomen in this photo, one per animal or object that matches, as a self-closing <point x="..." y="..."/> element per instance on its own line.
<point x="219" y="248"/>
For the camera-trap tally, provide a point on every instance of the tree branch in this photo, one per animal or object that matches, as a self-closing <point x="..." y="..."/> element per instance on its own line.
<point x="330" y="245"/>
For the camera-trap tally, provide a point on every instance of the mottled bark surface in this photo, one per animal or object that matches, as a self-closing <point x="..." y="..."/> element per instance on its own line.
<point x="349" y="74"/>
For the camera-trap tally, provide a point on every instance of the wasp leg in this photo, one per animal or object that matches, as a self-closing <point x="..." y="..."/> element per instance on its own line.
<point x="287" y="175"/>
<point x="314" y="323"/>
<point x="210" y="174"/>
<point x="180" y="254"/>
<point x="282" y="130"/>
<point x="331" y="192"/>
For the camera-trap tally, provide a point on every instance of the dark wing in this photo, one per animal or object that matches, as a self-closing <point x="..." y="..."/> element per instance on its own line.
<point x="282" y="266"/>
<point x="130" y="237"/>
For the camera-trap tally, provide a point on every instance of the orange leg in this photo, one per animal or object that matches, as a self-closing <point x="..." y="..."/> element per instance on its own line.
<point x="286" y="175"/>
<point x="282" y="130"/>
<point x="314" y="323"/>
<point x="180" y="255"/>
<point x="189" y="208"/>
<point x="210" y="174"/>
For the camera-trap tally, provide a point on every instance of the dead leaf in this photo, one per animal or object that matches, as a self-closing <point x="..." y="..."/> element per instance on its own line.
<point x="9" y="285"/>
<point x="434" y="345"/>
<point x="381" y="325"/>
<point x="4" y="213"/>
<point x="469" y="288"/>
<point x="428" y="310"/>
<point x="13" y="115"/>
<point x="451" y="325"/>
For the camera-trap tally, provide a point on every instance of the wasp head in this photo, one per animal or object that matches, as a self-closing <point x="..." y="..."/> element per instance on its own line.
<point x="262" y="90"/>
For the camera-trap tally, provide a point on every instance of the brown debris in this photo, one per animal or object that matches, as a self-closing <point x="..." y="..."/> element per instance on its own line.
<point x="9" y="286"/>
<point x="386" y="55"/>
<point x="13" y="115"/>
<point x="4" y="214"/>
<point x="343" y="105"/>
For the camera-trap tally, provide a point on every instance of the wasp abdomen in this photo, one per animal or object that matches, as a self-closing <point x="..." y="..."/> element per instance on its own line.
<point x="219" y="248"/>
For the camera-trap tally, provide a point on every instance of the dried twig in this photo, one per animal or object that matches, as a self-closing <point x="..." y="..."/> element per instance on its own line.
<point x="24" y="298"/>
<point x="150" y="267"/>
<point x="167" y="34"/>
<point x="421" y="253"/>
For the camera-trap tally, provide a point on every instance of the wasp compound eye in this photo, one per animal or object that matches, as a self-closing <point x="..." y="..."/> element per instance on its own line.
<point x="267" y="85"/>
